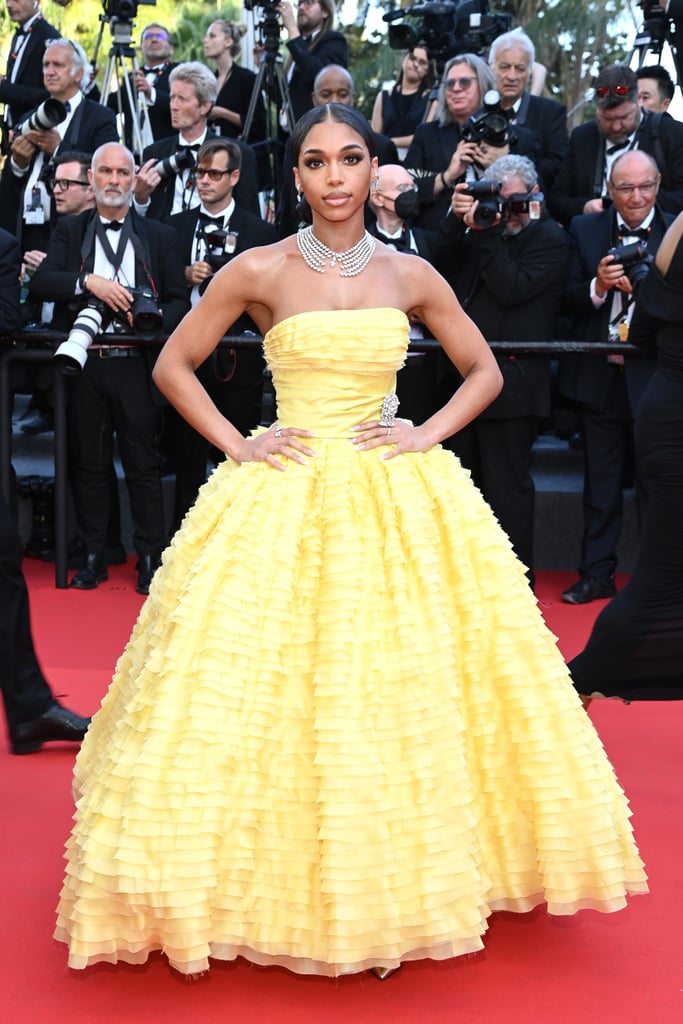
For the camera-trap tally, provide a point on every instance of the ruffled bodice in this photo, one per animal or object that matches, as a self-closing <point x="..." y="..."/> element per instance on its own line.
<point x="332" y="369"/>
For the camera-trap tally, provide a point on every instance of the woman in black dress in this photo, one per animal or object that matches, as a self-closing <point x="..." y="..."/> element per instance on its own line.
<point x="635" y="651"/>
<point x="398" y="113"/>
<point x="235" y="83"/>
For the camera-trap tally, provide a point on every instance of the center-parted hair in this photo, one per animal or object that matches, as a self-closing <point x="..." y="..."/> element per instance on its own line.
<point x="335" y="113"/>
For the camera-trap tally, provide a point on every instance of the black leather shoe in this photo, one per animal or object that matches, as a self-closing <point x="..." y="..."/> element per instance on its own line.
<point x="147" y="566"/>
<point x="57" y="723"/>
<point x="590" y="588"/>
<point x="92" y="572"/>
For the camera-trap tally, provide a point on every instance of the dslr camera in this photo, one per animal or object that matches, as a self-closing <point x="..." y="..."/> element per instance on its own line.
<point x="50" y="113"/>
<point x="219" y="243"/>
<point x="95" y="316"/>
<point x="635" y="259"/>
<point x="490" y="124"/>
<point x="182" y="160"/>
<point x="491" y="203"/>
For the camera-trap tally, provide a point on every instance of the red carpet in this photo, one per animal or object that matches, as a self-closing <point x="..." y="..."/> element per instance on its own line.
<point x="624" y="967"/>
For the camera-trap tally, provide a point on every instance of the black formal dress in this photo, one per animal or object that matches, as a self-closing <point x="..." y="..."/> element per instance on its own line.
<point x="27" y="90"/>
<point x="235" y="94"/>
<point x="161" y="199"/>
<point x="582" y="173"/>
<point x="511" y="288"/>
<point x="607" y="395"/>
<point x="114" y="391"/>
<point x="402" y="112"/>
<point x="635" y="650"/>
<point x="430" y="153"/>
<point x="233" y="378"/>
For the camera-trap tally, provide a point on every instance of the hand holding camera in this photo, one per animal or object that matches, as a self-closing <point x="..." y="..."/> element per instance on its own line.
<point x="623" y="267"/>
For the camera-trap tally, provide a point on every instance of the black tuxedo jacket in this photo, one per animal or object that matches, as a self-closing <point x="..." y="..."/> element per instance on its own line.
<point x="159" y="114"/>
<point x="547" y="119"/>
<point x="580" y="177"/>
<point x="91" y="126"/>
<point x="511" y="288"/>
<point x="583" y="377"/>
<point x="161" y="199"/>
<point x="430" y="153"/>
<point x="28" y="91"/>
<point x="251" y="232"/>
<point x="10" y="265"/>
<point x="57" y="276"/>
<point x="328" y="48"/>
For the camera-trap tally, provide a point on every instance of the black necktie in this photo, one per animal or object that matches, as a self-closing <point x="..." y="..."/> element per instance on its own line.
<point x="626" y="232"/>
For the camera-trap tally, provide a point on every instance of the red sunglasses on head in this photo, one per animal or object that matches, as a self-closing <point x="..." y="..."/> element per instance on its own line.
<point x="616" y="90"/>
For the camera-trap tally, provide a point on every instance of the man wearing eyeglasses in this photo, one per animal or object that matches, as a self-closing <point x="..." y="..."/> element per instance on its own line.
<point x="149" y="84"/>
<point x="620" y="125"/>
<point x="607" y="388"/>
<point x="208" y="237"/>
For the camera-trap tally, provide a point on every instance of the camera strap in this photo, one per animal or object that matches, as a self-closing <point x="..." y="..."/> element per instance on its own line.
<point x="96" y="229"/>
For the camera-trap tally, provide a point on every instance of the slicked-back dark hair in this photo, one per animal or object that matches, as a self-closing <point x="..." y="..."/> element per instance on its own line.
<point x="335" y="113"/>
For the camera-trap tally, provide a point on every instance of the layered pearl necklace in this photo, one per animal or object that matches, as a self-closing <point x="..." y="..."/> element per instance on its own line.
<point x="351" y="262"/>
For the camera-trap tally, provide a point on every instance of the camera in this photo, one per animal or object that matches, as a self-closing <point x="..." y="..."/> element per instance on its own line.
<point x="124" y="10"/>
<point x="182" y="160"/>
<point x="220" y="244"/>
<point x="490" y="124"/>
<point x="72" y="354"/>
<point x="147" y="320"/>
<point x="251" y="5"/>
<point x="635" y="259"/>
<point x="446" y="29"/>
<point x="46" y="116"/>
<point x="489" y="202"/>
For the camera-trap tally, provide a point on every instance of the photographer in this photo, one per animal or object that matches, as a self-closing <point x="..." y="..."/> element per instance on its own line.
<point x="149" y="85"/>
<point x="208" y="237"/>
<point x="97" y="264"/>
<point x="463" y="140"/>
<point x="66" y="122"/>
<point x="607" y="389"/>
<point x="22" y="88"/>
<point x="312" y="43"/>
<point x="506" y="260"/>
<point x="164" y="184"/>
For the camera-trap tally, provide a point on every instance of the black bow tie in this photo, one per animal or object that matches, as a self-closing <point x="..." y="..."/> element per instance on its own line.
<point x="400" y="243"/>
<point x="627" y="232"/>
<point x="204" y="218"/>
<point x="112" y="225"/>
<point x="617" y="146"/>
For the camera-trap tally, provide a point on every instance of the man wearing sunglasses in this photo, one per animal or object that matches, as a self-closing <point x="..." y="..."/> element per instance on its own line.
<point x="208" y="237"/>
<point x="620" y="125"/>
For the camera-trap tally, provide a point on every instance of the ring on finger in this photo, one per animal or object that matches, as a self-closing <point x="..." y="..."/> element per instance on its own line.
<point x="278" y="431"/>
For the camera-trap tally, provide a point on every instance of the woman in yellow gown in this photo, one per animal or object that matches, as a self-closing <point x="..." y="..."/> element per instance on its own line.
<point x="340" y="735"/>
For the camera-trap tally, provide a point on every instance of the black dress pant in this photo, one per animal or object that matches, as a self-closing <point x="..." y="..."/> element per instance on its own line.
<point x="607" y="450"/>
<point x="25" y="691"/>
<point x="497" y="453"/>
<point x="113" y="395"/>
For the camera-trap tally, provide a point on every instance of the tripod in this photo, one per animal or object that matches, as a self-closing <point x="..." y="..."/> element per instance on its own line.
<point x="121" y="66"/>
<point x="651" y="37"/>
<point x="271" y="81"/>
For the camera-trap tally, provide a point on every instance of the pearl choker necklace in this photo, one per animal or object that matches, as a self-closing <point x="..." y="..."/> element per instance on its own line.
<point x="351" y="262"/>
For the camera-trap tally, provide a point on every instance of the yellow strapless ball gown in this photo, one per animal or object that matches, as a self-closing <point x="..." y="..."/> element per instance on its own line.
<point x="340" y="735"/>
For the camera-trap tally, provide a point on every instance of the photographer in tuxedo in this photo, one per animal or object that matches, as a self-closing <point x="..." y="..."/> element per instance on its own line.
<point x="506" y="260"/>
<point x="164" y="184"/>
<point x="607" y="388"/>
<point x="22" y="87"/>
<point x="208" y="237"/>
<point x="94" y="264"/>
<point x="149" y="85"/>
<point x="24" y="198"/>
<point x="312" y="44"/>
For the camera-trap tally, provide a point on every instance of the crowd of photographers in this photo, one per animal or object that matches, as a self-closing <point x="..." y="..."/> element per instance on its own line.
<point x="540" y="233"/>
